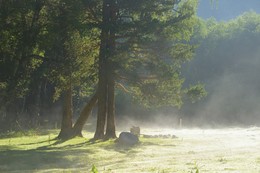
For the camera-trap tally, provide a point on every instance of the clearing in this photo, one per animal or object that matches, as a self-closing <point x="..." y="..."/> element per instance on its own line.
<point x="204" y="150"/>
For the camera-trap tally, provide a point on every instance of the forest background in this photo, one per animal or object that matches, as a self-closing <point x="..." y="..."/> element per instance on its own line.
<point x="150" y="63"/>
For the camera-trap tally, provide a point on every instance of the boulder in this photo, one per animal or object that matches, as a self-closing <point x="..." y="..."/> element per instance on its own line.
<point x="128" y="139"/>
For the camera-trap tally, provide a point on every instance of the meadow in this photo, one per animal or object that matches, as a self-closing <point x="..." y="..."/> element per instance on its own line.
<point x="193" y="151"/>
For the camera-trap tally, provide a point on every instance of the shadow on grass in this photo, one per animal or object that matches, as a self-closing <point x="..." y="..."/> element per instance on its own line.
<point x="129" y="150"/>
<point x="7" y="148"/>
<point x="47" y="157"/>
<point x="59" y="156"/>
<point x="12" y="159"/>
<point x="69" y="146"/>
<point x="30" y="133"/>
<point x="55" y="146"/>
<point x="41" y="142"/>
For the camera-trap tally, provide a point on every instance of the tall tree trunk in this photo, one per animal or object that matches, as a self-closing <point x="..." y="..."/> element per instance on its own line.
<point x="110" y="128"/>
<point x="78" y="126"/>
<point x="106" y="90"/>
<point x="102" y="106"/>
<point x="102" y="83"/>
<point x="66" y="124"/>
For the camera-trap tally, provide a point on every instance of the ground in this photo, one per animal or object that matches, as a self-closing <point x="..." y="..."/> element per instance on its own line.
<point x="204" y="150"/>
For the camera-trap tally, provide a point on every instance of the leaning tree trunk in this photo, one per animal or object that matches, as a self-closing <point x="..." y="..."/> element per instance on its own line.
<point x="66" y="124"/>
<point x="78" y="126"/>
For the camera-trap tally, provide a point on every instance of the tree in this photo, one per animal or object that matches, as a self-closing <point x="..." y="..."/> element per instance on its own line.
<point x="71" y="55"/>
<point x="20" y="30"/>
<point x="51" y="53"/>
<point x="138" y="46"/>
<point x="142" y="47"/>
<point x="106" y="81"/>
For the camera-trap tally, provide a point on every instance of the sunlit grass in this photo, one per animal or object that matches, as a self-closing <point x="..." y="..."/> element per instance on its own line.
<point x="229" y="150"/>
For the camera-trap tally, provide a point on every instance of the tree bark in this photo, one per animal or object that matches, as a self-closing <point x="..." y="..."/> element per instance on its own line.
<point x="78" y="126"/>
<point x="106" y="90"/>
<point x="102" y="106"/>
<point x="66" y="124"/>
<point x="110" y="128"/>
<point x="102" y="76"/>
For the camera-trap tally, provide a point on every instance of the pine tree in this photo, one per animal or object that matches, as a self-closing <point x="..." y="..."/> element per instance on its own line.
<point x="143" y="45"/>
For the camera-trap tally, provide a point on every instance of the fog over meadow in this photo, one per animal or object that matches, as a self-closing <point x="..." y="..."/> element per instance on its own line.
<point x="233" y="97"/>
<point x="228" y="66"/>
<point x="230" y="73"/>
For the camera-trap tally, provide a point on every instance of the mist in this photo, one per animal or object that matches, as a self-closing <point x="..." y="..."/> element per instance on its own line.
<point x="109" y="86"/>
<point x="234" y="96"/>
<point x="229" y="70"/>
<point x="227" y="63"/>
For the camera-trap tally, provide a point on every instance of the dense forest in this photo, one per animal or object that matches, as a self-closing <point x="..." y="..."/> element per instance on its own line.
<point x="59" y="59"/>
<point x="227" y="63"/>
<point x="65" y="53"/>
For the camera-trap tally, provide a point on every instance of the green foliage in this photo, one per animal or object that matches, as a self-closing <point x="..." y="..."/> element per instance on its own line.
<point x="155" y="42"/>
<point x="50" y="46"/>
<point x="94" y="169"/>
<point x="221" y="39"/>
<point x="20" y="29"/>
<point x="226" y="57"/>
<point x="3" y="85"/>
<point x="71" y="52"/>
<point x="196" y="92"/>
<point x="44" y="46"/>
<point x="157" y="93"/>
<point x="196" y="168"/>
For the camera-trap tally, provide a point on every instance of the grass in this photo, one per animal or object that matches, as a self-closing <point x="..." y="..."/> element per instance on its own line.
<point x="193" y="152"/>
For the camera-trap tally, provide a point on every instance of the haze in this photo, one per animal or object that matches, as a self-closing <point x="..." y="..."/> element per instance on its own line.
<point x="229" y="72"/>
<point x="130" y="86"/>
